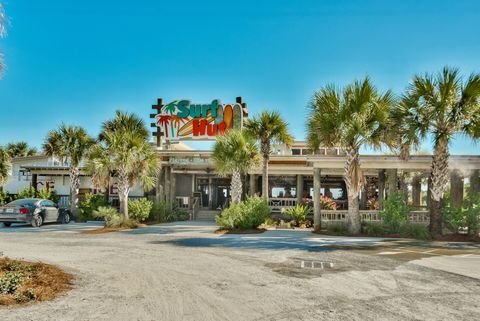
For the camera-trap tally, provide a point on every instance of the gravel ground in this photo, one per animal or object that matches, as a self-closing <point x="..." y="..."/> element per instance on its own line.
<point x="185" y="272"/>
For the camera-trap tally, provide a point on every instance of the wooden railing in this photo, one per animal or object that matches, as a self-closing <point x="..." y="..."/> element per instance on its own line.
<point x="195" y="208"/>
<point x="277" y="204"/>
<point x="183" y="201"/>
<point x="371" y="216"/>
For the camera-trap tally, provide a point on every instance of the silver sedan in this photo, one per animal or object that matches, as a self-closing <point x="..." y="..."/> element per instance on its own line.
<point x="34" y="211"/>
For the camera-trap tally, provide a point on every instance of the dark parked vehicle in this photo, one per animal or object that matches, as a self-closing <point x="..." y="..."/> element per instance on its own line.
<point x="34" y="211"/>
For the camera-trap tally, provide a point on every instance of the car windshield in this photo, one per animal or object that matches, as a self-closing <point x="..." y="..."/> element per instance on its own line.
<point x="22" y="202"/>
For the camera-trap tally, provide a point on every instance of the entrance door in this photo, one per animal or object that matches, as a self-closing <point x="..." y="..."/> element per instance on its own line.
<point x="222" y="194"/>
<point x="204" y="189"/>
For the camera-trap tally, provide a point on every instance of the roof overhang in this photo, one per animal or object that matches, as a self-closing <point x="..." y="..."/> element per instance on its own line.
<point x="414" y="163"/>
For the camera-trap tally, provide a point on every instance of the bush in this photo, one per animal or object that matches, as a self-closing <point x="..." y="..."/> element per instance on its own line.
<point x="168" y="212"/>
<point x="298" y="213"/>
<point x="49" y="195"/>
<point x="468" y="216"/>
<point x="326" y="203"/>
<point x="395" y="212"/>
<point x="139" y="209"/>
<point x="374" y="229"/>
<point x="28" y="192"/>
<point x="10" y="282"/>
<point x="248" y="214"/>
<point x="4" y="197"/>
<point x="90" y="204"/>
<point x="415" y="231"/>
<point x="283" y="224"/>
<point x="112" y="218"/>
<point x="269" y="222"/>
<point x="337" y="228"/>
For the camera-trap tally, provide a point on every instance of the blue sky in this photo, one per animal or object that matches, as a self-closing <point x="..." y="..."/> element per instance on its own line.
<point x="78" y="62"/>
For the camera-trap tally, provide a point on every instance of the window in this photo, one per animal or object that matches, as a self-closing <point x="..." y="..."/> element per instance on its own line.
<point x="306" y="152"/>
<point x="48" y="203"/>
<point x="296" y="151"/>
<point x="282" y="192"/>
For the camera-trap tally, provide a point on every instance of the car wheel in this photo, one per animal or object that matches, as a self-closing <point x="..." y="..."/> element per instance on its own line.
<point x="7" y="224"/>
<point x="66" y="218"/>
<point x="37" y="221"/>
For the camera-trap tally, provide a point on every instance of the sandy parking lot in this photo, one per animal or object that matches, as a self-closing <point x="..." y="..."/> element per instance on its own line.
<point x="185" y="272"/>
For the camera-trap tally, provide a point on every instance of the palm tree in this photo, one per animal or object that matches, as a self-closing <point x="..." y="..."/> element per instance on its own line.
<point x="234" y="154"/>
<point x="20" y="149"/>
<point x="70" y="144"/>
<point x="127" y="122"/>
<point x="3" y="31"/>
<point x="354" y="117"/>
<point x="441" y="105"/>
<point x="4" y="165"/>
<point x="124" y="153"/>
<point x="268" y="128"/>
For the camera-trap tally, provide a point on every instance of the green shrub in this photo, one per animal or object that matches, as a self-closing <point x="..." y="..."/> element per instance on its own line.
<point x="373" y="229"/>
<point x="90" y="204"/>
<point x="395" y="212"/>
<point x="415" y="231"/>
<point x="269" y="222"/>
<point x="337" y="228"/>
<point x="4" y="197"/>
<point x="248" y="214"/>
<point x="10" y="282"/>
<point x="28" y="192"/>
<point x="298" y="213"/>
<point x="48" y="195"/>
<point x="112" y="218"/>
<point x="139" y="209"/>
<point x="181" y="214"/>
<point x="284" y="224"/>
<point x="468" y="216"/>
<point x="167" y="212"/>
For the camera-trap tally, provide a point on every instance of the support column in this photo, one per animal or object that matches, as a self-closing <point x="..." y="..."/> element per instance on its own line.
<point x="299" y="189"/>
<point x="416" y="191"/>
<point x="381" y="188"/>
<point x="159" y="192"/>
<point x="252" y="189"/>
<point x="429" y="193"/>
<point x="475" y="182"/>
<point x="173" y="186"/>
<point x="456" y="189"/>
<point x="210" y="192"/>
<point x="193" y="183"/>
<point x="316" y="199"/>
<point x="167" y="186"/>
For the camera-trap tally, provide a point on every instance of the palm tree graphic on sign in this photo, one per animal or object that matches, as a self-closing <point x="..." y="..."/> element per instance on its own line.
<point x="171" y="108"/>
<point x="164" y="121"/>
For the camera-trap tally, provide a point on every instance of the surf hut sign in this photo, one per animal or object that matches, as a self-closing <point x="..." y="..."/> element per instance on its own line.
<point x="184" y="120"/>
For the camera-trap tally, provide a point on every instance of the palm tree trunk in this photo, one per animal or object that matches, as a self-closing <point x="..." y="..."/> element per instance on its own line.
<point x="265" y="150"/>
<point x="439" y="177"/>
<point x="353" y="180"/>
<point x="123" y="191"/>
<point x="236" y="187"/>
<point x="265" y="177"/>
<point x="74" y="190"/>
<point x="353" y="217"/>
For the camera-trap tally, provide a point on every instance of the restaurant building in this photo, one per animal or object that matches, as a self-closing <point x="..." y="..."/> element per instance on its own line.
<point x="296" y="173"/>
